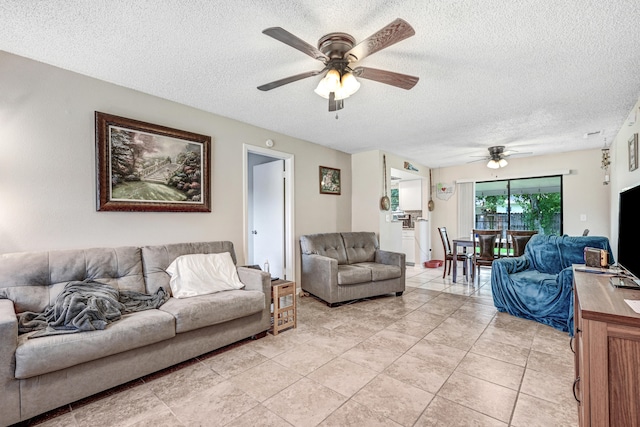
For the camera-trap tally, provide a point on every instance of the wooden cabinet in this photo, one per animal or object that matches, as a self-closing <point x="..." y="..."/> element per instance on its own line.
<point x="410" y="195"/>
<point x="607" y="353"/>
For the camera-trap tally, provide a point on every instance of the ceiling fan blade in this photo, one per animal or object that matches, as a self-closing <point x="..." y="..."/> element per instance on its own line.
<point x="516" y="153"/>
<point x="396" y="31"/>
<point x="478" y="160"/>
<point x="286" y="37"/>
<point x="335" y="104"/>
<point x="289" y="79"/>
<point x="403" y="81"/>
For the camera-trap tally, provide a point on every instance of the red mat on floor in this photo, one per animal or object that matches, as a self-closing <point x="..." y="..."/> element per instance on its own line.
<point x="434" y="263"/>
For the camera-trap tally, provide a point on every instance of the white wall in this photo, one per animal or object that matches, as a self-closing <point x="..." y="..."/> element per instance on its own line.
<point x="367" y="190"/>
<point x="621" y="177"/>
<point x="583" y="191"/>
<point x="48" y="175"/>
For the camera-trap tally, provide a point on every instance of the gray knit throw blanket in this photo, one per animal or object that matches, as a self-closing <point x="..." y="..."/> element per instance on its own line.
<point x="87" y="306"/>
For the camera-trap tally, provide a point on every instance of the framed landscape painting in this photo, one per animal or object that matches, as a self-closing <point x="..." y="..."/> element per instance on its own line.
<point x="329" y="180"/>
<point x="152" y="168"/>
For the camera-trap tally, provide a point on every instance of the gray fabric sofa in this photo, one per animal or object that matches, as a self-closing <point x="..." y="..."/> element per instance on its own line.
<point x="339" y="267"/>
<point x="40" y="374"/>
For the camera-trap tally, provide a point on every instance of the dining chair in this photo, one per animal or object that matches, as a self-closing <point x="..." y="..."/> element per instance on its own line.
<point x="449" y="255"/>
<point x="487" y="248"/>
<point x="517" y="240"/>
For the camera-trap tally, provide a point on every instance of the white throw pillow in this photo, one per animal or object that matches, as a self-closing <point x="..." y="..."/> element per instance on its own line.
<point x="201" y="274"/>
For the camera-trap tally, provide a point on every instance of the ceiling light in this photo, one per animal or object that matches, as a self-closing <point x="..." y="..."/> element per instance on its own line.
<point x="342" y="86"/>
<point x="332" y="80"/>
<point x="497" y="163"/>
<point x="350" y="84"/>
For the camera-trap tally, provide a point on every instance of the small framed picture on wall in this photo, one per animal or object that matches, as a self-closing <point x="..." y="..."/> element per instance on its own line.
<point x="329" y="180"/>
<point x="633" y="152"/>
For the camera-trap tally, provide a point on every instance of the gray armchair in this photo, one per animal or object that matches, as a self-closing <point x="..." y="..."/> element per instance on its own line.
<point x="338" y="267"/>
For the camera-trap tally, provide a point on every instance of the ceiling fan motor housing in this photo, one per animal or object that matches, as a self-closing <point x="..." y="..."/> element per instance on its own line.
<point x="496" y="152"/>
<point x="335" y="45"/>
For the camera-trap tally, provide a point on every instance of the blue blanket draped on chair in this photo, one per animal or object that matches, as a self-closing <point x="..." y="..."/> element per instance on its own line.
<point x="538" y="285"/>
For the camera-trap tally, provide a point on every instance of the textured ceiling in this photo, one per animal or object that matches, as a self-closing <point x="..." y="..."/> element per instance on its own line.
<point x="533" y="75"/>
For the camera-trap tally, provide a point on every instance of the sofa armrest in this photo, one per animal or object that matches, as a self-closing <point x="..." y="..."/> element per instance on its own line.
<point x="320" y="265"/>
<point x="510" y="265"/>
<point x="390" y="258"/>
<point x="255" y="280"/>
<point x="565" y="282"/>
<point x="10" y="400"/>
<point x="565" y="277"/>
<point x="8" y="338"/>
<point x="319" y="273"/>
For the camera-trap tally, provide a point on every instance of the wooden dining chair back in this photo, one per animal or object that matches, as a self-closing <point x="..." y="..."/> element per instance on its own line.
<point x="517" y="240"/>
<point x="448" y="253"/>
<point x="487" y="248"/>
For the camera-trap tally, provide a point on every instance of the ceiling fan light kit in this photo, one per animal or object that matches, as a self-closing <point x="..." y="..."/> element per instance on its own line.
<point x="338" y="51"/>
<point x="497" y="163"/>
<point x="497" y="157"/>
<point x="342" y="86"/>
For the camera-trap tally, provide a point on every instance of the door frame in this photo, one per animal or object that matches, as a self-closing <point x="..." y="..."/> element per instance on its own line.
<point x="289" y="218"/>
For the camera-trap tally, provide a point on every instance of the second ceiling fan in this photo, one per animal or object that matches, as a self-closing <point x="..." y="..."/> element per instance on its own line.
<point x="498" y="155"/>
<point x="338" y="52"/>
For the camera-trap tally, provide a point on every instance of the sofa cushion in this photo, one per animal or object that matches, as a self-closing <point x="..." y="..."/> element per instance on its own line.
<point x="535" y="290"/>
<point x="325" y="244"/>
<point x="552" y="254"/>
<point x="360" y="246"/>
<point x="41" y="355"/>
<point x="351" y="275"/>
<point x="381" y="271"/>
<point x="205" y="310"/>
<point x="156" y="259"/>
<point x="33" y="280"/>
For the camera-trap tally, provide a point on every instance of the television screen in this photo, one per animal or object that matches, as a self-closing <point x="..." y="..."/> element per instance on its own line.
<point x="629" y="231"/>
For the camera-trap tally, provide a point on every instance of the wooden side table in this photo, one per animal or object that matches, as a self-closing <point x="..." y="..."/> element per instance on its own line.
<point x="284" y="315"/>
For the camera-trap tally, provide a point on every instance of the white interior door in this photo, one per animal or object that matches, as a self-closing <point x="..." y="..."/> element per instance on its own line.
<point x="268" y="216"/>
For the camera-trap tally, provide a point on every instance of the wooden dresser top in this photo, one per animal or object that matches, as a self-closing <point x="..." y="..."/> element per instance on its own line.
<point x="600" y="301"/>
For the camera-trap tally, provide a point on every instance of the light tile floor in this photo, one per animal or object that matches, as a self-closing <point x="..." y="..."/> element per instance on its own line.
<point x="440" y="355"/>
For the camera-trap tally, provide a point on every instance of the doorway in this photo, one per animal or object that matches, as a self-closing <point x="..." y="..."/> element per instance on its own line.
<point x="268" y="201"/>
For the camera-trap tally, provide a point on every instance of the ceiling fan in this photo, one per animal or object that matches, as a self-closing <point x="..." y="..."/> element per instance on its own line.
<point x="497" y="156"/>
<point x="338" y="52"/>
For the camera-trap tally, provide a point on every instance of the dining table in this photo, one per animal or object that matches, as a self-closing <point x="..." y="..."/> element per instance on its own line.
<point x="464" y="243"/>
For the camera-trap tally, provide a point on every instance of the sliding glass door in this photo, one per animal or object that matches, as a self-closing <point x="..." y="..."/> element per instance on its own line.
<point x="520" y="204"/>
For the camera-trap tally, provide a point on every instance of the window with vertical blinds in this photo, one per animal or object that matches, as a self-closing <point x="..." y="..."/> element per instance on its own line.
<point x="466" y="208"/>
